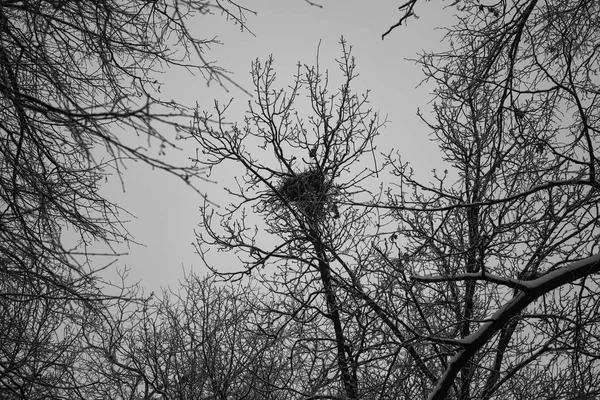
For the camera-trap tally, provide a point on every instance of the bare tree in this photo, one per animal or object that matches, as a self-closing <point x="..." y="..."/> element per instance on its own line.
<point x="487" y="288"/>
<point x="199" y="343"/>
<point x="297" y="174"/>
<point x="44" y="353"/>
<point x="77" y="88"/>
<point x="77" y="77"/>
<point x="499" y="254"/>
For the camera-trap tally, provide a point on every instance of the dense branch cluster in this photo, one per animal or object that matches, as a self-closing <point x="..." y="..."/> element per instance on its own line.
<point x="78" y="88"/>
<point x="356" y="280"/>
<point x="479" y="284"/>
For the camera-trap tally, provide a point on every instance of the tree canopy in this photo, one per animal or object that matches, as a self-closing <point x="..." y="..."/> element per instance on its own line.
<point x="357" y="279"/>
<point x="480" y="283"/>
<point x="78" y="87"/>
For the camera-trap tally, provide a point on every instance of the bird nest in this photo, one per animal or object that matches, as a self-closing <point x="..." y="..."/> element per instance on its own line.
<point x="309" y="191"/>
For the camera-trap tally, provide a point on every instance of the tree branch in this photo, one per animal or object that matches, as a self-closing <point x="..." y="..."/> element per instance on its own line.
<point x="536" y="288"/>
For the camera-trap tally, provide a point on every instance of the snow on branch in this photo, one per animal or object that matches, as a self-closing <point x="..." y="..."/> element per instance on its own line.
<point x="534" y="289"/>
<point x="474" y="276"/>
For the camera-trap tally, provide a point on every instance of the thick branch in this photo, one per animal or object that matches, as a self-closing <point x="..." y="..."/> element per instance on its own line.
<point x="535" y="289"/>
<point x="473" y="276"/>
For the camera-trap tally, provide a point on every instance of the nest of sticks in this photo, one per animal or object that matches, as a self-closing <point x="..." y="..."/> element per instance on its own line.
<point x="310" y="191"/>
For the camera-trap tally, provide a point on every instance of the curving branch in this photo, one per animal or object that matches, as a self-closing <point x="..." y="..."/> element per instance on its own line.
<point x="535" y="289"/>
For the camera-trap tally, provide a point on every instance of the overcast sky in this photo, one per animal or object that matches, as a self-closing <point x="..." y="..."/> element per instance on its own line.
<point x="167" y="212"/>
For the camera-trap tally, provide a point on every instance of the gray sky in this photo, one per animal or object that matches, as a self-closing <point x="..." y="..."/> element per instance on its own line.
<point x="167" y="212"/>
